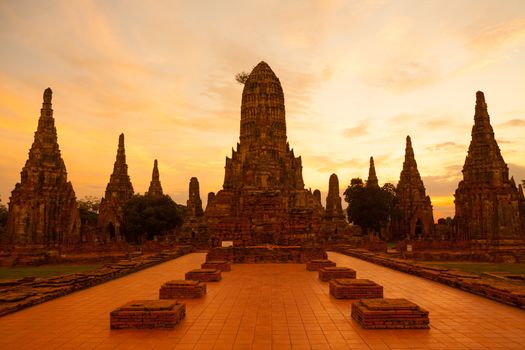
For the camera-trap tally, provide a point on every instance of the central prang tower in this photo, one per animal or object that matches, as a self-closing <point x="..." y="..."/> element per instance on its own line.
<point x="263" y="199"/>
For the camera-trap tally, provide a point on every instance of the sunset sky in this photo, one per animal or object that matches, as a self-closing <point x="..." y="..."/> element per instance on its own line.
<point x="358" y="76"/>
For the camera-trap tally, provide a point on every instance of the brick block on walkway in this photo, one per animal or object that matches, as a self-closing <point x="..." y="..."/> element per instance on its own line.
<point x="389" y="314"/>
<point x="329" y="273"/>
<point x="182" y="289"/>
<point x="222" y="265"/>
<point x="138" y="314"/>
<point x="204" y="275"/>
<point x="350" y="288"/>
<point x="315" y="265"/>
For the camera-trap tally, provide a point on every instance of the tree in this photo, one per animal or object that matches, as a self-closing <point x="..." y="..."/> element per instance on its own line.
<point x="148" y="216"/>
<point x="88" y="209"/>
<point x="242" y="77"/>
<point x="369" y="207"/>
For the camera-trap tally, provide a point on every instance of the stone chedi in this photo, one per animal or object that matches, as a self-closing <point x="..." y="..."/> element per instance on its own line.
<point x="487" y="201"/>
<point x="372" y="180"/>
<point x="194" y="223"/>
<point x="155" y="188"/>
<point x="334" y="223"/>
<point x="414" y="219"/>
<point x="43" y="208"/>
<point x="263" y="199"/>
<point x="118" y="191"/>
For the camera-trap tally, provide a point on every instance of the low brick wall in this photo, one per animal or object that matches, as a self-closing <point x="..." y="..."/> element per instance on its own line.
<point x="315" y="265"/>
<point x="328" y="273"/>
<point x="138" y="314"/>
<point x="19" y="294"/>
<point x="182" y="289"/>
<point x="217" y="264"/>
<point x="267" y="254"/>
<point x="504" y="292"/>
<point x="389" y="314"/>
<point x="349" y="288"/>
<point x="204" y="275"/>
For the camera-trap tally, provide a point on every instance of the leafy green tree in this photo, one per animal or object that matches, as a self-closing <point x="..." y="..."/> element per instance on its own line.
<point x="88" y="209"/>
<point x="3" y="214"/>
<point x="148" y="216"/>
<point x="369" y="207"/>
<point x="242" y="77"/>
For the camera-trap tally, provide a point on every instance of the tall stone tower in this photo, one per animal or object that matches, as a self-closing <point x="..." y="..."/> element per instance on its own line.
<point x="487" y="201"/>
<point x="194" y="223"/>
<point x="118" y="191"/>
<point x="43" y="208"/>
<point x="155" y="188"/>
<point x="372" y="177"/>
<point x="414" y="219"/>
<point x="263" y="199"/>
<point x="334" y="225"/>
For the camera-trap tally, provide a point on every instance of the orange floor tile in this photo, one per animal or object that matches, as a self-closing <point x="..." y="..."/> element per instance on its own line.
<point x="266" y="306"/>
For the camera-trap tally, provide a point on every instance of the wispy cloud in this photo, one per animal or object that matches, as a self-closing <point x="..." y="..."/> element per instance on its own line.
<point x="356" y="131"/>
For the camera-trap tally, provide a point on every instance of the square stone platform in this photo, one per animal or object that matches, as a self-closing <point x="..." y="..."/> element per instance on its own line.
<point x="138" y="314"/>
<point x="316" y="264"/>
<point x="222" y="265"/>
<point x="329" y="273"/>
<point x="349" y="288"/>
<point x="389" y="314"/>
<point x="182" y="289"/>
<point x="204" y="275"/>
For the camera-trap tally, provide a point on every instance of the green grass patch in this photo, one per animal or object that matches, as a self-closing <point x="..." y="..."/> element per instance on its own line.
<point x="43" y="271"/>
<point x="480" y="267"/>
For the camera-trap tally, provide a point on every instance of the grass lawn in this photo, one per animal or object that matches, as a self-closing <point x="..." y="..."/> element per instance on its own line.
<point x="480" y="267"/>
<point x="42" y="271"/>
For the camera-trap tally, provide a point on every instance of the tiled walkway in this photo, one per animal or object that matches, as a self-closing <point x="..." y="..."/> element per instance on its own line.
<point x="265" y="307"/>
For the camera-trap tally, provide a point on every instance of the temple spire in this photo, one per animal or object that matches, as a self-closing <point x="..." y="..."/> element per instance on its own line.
<point x="155" y="188"/>
<point x="372" y="177"/>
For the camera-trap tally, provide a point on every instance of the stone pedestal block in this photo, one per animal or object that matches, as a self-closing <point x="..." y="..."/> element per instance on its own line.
<point x="389" y="314"/>
<point x="148" y="314"/>
<point x="328" y="273"/>
<point x="315" y="265"/>
<point x="349" y="288"/>
<point x="222" y="265"/>
<point x="182" y="289"/>
<point x="204" y="275"/>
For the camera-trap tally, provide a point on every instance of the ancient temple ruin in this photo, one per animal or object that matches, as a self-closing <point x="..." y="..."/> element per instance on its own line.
<point x="487" y="201"/>
<point x="155" y="188"/>
<point x="43" y="208"/>
<point x="194" y="225"/>
<point x="372" y="180"/>
<point x="334" y="225"/>
<point x="413" y="218"/>
<point x="263" y="199"/>
<point x="118" y="191"/>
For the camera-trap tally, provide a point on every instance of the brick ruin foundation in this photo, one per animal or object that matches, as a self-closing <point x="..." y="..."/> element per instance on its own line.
<point x="204" y="275"/>
<point x="266" y="254"/>
<point x="328" y="273"/>
<point x="349" y="288"/>
<point x="182" y="289"/>
<point x="316" y="264"/>
<point x="139" y="314"/>
<point x="389" y="314"/>
<point x="222" y="265"/>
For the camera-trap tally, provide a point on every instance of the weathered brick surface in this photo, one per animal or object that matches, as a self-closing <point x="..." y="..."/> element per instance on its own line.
<point x="266" y="254"/>
<point x="204" y="275"/>
<point x="389" y="314"/>
<point x="217" y="264"/>
<point x="25" y="292"/>
<point x="328" y="273"/>
<point x="148" y="314"/>
<point x="182" y="289"/>
<point x="504" y="292"/>
<point x="349" y="288"/>
<point x="316" y="264"/>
